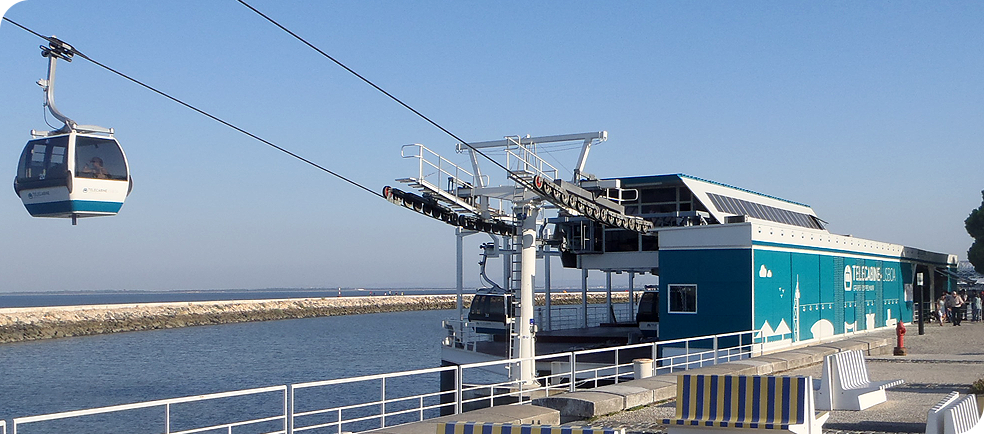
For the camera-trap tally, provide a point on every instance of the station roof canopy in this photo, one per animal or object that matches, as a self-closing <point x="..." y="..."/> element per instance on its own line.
<point x="722" y="201"/>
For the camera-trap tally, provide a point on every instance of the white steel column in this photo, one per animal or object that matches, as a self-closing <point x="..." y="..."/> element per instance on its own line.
<point x="524" y="341"/>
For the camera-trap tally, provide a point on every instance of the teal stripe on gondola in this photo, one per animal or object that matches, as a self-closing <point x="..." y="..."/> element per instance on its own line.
<point x="96" y="206"/>
<point x="73" y="206"/>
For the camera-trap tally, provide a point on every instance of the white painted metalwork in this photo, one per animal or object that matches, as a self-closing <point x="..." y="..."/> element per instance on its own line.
<point x="462" y="334"/>
<point x="166" y="404"/>
<point x="473" y="385"/>
<point x="423" y="402"/>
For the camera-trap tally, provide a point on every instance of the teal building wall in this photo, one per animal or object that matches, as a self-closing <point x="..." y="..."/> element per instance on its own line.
<point x="837" y="294"/>
<point x="755" y="289"/>
<point x="724" y="289"/>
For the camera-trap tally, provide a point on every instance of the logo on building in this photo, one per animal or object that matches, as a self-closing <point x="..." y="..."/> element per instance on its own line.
<point x="848" y="278"/>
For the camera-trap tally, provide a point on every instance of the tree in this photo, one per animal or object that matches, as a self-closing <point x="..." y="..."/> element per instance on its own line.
<point x="975" y="227"/>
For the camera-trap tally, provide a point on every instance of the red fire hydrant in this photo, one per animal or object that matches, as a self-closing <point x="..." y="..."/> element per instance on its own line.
<point x="900" y="340"/>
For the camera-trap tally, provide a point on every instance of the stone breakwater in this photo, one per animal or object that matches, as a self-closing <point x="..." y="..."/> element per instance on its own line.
<point x="34" y="323"/>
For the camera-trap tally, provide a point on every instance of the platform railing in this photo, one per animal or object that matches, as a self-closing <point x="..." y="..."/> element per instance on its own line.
<point x="377" y="401"/>
<point x="484" y="384"/>
<point x="571" y="316"/>
<point x="391" y="405"/>
<point x="432" y="166"/>
<point x="145" y="421"/>
<point x="522" y="159"/>
<point x="562" y="317"/>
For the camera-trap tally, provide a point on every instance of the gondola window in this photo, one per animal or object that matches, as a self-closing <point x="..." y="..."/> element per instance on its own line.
<point x="99" y="158"/>
<point x="44" y="159"/>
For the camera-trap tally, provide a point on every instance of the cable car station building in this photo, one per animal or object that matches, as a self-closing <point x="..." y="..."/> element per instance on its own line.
<point x="730" y="260"/>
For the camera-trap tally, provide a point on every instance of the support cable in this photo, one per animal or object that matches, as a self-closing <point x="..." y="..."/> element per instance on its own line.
<point x="512" y="175"/>
<point x="200" y="111"/>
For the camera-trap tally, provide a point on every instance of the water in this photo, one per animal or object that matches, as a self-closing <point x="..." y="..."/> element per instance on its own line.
<point x="26" y="299"/>
<point x="94" y="371"/>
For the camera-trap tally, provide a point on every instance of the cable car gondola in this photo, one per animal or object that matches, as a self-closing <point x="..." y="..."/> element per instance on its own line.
<point x="491" y="311"/>
<point x="647" y="315"/>
<point x="75" y="171"/>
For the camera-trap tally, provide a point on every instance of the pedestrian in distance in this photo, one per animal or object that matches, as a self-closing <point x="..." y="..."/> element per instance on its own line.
<point x="948" y="302"/>
<point x="956" y="311"/>
<point x="973" y="309"/>
<point x="977" y="305"/>
<point x="941" y="310"/>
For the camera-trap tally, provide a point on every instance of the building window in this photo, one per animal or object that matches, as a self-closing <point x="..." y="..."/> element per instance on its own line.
<point x="683" y="298"/>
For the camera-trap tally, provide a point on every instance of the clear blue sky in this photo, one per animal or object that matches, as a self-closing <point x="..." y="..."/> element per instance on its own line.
<point x="871" y="112"/>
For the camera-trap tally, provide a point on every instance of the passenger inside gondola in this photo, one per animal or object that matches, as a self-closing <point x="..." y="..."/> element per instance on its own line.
<point x="99" y="158"/>
<point x="95" y="169"/>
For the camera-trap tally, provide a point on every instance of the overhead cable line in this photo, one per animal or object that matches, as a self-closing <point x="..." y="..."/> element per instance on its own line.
<point x="200" y="111"/>
<point x="384" y="92"/>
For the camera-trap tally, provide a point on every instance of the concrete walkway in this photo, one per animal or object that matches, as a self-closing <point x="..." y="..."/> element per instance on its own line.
<point x="944" y="359"/>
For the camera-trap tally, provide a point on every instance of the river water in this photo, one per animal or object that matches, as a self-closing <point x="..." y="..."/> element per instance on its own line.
<point x="85" y="372"/>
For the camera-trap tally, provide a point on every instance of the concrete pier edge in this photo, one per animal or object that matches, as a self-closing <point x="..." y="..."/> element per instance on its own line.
<point x="35" y="323"/>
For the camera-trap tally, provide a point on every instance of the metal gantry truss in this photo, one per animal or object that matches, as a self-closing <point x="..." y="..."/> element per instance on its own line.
<point x="465" y="199"/>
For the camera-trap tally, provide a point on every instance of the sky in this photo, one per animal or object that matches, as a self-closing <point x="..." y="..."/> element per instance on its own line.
<point x="870" y="112"/>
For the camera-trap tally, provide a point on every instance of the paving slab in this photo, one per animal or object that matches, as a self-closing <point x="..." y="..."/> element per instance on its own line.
<point x="755" y="366"/>
<point x="663" y="386"/>
<point x="633" y="396"/>
<point x="582" y="405"/>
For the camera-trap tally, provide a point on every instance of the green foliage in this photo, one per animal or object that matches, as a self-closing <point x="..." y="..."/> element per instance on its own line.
<point x="976" y="255"/>
<point x="977" y="387"/>
<point x="975" y="227"/>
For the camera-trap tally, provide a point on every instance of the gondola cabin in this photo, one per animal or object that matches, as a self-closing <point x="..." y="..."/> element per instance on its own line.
<point x="72" y="174"/>
<point x="647" y="315"/>
<point x="491" y="312"/>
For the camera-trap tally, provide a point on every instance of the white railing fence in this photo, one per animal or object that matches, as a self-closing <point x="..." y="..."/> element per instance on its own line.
<point x="369" y="402"/>
<point x="565" y="317"/>
<point x="262" y="410"/>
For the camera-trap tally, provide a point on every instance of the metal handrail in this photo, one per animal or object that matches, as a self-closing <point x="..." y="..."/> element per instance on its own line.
<point x="528" y="161"/>
<point x="684" y="353"/>
<point x="166" y="403"/>
<point x="443" y="166"/>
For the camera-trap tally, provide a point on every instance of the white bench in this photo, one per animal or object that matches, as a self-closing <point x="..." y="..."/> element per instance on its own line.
<point x="844" y="383"/>
<point x="934" y="420"/>
<point x="962" y="417"/>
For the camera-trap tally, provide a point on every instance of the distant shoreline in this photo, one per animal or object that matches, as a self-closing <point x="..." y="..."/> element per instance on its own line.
<point x="37" y="323"/>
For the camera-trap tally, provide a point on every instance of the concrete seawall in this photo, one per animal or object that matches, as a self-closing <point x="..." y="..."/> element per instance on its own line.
<point x="34" y="323"/>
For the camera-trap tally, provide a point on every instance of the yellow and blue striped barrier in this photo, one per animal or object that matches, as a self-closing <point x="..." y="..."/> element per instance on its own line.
<point x="758" y="402"/>
<point x="508" y="428"/>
